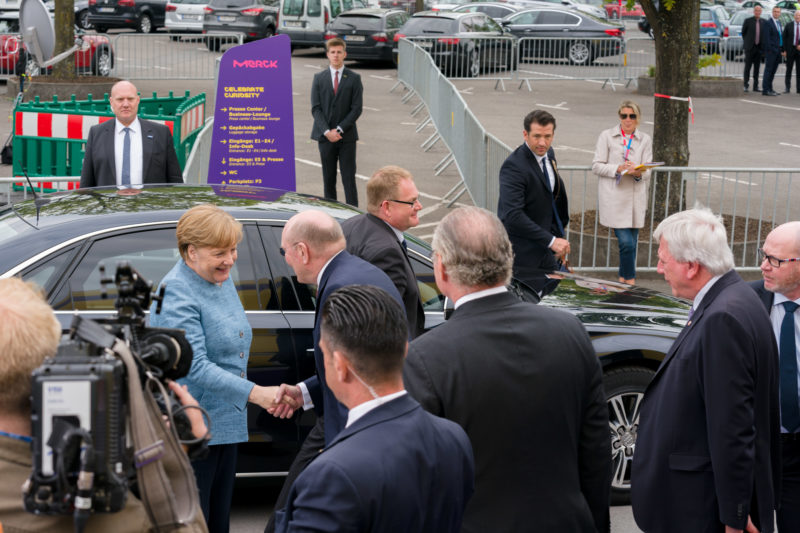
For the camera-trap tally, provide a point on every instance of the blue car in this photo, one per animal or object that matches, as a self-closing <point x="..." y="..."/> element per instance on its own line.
<point x="713" y="21"/>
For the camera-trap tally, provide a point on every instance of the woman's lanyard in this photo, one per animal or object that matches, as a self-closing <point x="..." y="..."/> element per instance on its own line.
<point x="630" y="140"/>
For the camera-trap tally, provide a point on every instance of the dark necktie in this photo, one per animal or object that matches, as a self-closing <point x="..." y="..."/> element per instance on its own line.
<point x="691" y="312"/>
<point x="780" y="34"/>
<point x="336" y="82"/>
<point x="404" y="244"/>
<point x="126" y="158"/>
<point x="790" y="410"/>
<point x="758" y="29"/>
<point x="796" y="33"/>
<point x="552" y="198"/>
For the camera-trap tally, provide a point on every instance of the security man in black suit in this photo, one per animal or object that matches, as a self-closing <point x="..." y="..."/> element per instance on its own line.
<point x="791" y="47"/>
<point x="780" y="293"/>
<point x="752" y="35"/>
<point x="533" y="202"/>
<point x="377" y="236"/>
<point x="772" y="47"/>
<point x="128" y="151"/>
<point x="336" y="96"/>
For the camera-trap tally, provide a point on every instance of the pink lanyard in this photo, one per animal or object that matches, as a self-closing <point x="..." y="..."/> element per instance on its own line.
<point x="630" y="139"/>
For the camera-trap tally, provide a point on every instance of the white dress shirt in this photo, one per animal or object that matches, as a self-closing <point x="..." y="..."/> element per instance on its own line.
<point x="360" y="410"/>
<point x="137" y="156"/>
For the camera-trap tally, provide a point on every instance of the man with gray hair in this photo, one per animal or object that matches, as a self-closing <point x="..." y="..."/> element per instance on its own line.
<point x="524" y="383"/>
<point x="706" y="453"/>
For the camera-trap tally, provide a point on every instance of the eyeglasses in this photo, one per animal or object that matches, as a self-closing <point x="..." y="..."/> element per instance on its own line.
<point x="774" y="261"/>
<point x="624" y="116"/>
<point x="412" y="203"/>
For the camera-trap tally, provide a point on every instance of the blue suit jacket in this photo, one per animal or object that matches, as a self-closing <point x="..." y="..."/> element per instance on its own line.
<point x="343" y="270"/>
<point x="771" y="40"/>
<point x="708" y="431"/>
<point x="397" y="468"/>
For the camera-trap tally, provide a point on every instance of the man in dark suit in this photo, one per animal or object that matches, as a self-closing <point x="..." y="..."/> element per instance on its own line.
<point x="772" y="48"/>
<point x="394" y="467"/>
<point x="377" y="236"/>
<point x="752" y="32"/>
<point x="780" y="293"/>
<point x="336" y="96"/>
<point x="524" y="383"/>
<point x="707" y="448"/>
<point x="533" y="202"/>
<point x="128" y="151"/>
<point x="314" y="247"/>
<point x="791" y="48"/>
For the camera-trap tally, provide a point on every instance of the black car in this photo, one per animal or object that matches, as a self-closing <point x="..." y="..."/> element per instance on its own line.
<point x="369" y="33"/>
<point x="555" y="33"/>
<point x="143" y="15"/>
<point x="60" y="240"/>
<point x="256" y="19"/>
<point x="645" y="27"/>
<point x="461" y="44"/>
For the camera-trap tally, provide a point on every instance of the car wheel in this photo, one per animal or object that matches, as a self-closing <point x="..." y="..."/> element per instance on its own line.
<point x="270" y="32"/>
<point x="624" y="392"/>
<point x="212" y="44"/>
<point x="651" y="34"/>
<point x="102" y="62"/>
<point x="145" y="24"/>
<point x="579" y="53"/>
<point x="28" y="66"/>
<point x="472" y="63"/>
<point x="83" y="19"/>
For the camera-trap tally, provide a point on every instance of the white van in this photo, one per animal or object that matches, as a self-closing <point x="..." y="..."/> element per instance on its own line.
<point x="305" y="21"/>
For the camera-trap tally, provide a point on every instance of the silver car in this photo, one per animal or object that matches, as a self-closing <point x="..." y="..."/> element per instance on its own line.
<point x="185" y="15"/>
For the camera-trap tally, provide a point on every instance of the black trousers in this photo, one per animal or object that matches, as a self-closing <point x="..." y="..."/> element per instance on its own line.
<point x="789" y="511"/>
<point x="215" y="476"/>
<point x="752" y="58"/>
<point x="793" y="60"/>
<point x="345" y="154"/>
<point x="312" y="446"/>
<point x="771" y="62"/>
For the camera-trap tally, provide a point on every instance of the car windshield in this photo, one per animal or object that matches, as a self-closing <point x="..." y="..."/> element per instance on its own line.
<point x="705" y="14"/>
<point x="348" y="22"/>
<point x="9" y="26"/>
<point x="423" y="25"/>
<point x="231" y="3"/>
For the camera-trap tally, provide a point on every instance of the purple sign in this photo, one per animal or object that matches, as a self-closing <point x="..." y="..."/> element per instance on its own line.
<point x="253" y="141"/>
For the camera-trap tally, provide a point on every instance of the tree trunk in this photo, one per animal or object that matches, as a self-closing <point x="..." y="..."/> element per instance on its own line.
<point x="676" y="30"/>
<point x="65" y="38"/>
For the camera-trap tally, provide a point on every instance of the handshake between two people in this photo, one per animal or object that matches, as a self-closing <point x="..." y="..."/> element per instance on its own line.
<point x="281" y="401"/>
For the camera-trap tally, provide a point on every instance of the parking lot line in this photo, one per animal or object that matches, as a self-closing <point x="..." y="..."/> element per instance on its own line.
<point x="790" y="145"/>
<point x="770" y="105"/>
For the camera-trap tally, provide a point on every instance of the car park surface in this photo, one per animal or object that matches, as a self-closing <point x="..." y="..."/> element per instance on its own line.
<point x="144" y="16"/>
<point x="368" y="32"/>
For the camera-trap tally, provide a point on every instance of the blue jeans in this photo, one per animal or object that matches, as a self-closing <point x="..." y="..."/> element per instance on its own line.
<point x="627" y="237"/>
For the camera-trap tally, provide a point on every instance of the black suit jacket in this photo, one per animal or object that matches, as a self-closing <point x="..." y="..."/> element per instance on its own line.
<point x="344" y="269"/>
<point x="395" y="469"/>
<point x="160" y="163"/>
<point x="707" y="451"/>
<point x="371" y="239"/>
<point x="771" y="38"/>
<point x="749" y="33"/>
<point x="525" y="384"/>
<point x="788" y="40"/>
<point x="340" y="110"/>
<point x="526" y="208"/>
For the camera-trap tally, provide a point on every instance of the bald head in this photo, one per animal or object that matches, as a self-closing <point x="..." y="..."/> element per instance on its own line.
<point x="124" y="102"/>
<point x="788" y="233"/>
<point x="309" y="240"/>
<point x="782" y="243"/>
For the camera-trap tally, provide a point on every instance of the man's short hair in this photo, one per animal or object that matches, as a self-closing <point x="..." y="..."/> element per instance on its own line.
<point x="207" y="226"/>
<point x="370" y="328"/>
<point x="29" y="332"/>
<point x="383" y="186"/>
<point x="319" y="232"/>
<point x="473" y="244"/>
<point x="697" y="236"/>
<point x="336" y="41"/>
<point x="540" y="117"/>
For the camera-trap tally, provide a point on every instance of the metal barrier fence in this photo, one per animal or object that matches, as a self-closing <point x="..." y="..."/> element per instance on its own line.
<point x="196" y="169"/>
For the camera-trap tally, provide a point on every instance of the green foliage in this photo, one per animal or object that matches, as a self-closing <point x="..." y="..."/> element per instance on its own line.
<point x="712" y="60"/>
<point x="651" y="71"/>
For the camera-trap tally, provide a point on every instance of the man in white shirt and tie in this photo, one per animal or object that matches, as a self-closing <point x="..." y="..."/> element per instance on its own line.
<point x="791" y="49"/>
<point x="128" y="152"/>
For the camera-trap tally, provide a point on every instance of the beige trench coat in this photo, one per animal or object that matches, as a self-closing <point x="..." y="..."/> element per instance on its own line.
<point x="623" y="204"/>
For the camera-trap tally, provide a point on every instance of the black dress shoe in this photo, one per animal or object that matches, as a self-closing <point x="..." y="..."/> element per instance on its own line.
<point x="787" y="91"/>
<point x="770" y="93"/>
<point x="756" y="90"/>
<point x="746" y="89"/>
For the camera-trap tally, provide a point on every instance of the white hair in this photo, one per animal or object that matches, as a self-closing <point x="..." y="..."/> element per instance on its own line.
<point x="697" y="236"/>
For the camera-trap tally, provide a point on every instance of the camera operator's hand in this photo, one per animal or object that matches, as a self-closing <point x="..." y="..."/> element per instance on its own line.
<point x="195" y="416"/>
<point x="274" y="401"/>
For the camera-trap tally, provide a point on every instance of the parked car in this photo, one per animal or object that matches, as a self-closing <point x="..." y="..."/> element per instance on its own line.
<point x="256" y="19"/>
<point x="732" y="45"/>
<point x="713" y="21"/>
<point x="82" y="14"/>
<point x="144" y="16"/>
<point x="564" y="34"/>
<point x="496" y="10"/>
<point x="185" y="15"/>
<point x="461" y="44"/>
<point x="60" y="240"/>
<point x="95" y="56"/>
<point x="305" y="21"/>
<point x="447" y="5"/>
<point x="575" y="5"/>
<point x="368" y="32"/>
<point x="410" y="6"/>
<point x="788" y="5"/>
<point x="614" y="11"/>
<point x="644" y="26"/>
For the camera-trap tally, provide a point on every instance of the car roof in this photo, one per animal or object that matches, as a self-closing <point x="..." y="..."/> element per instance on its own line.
<point x="493" y="4"/>
<point x="370" y="12"/>
<point x="453" y="15"/>
<point x="31" y="227"/>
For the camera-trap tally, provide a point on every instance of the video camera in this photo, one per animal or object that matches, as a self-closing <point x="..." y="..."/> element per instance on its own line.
<point x="85" y="448"/>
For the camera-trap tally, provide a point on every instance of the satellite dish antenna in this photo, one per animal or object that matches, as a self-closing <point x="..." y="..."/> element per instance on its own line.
<point x="38" y="33"/>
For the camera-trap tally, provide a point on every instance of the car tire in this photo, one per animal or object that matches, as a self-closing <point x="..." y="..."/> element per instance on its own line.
<point x="145" y="24"/>
<point x="269" y="33"/>
<point x="27" y="65"/>
<point x="82" y="18"/>
<point x="579" y="53"/>
<point x="651" y="34"/>
<point x="103" y="61"/>
<point x="472" y="63"/>
<point x="213" y="44"/>
<point x="624" y="392"/>
<point x="100" y="29"/>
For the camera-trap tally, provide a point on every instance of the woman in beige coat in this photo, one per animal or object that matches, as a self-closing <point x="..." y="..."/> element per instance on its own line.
<point x="621" y="189"/>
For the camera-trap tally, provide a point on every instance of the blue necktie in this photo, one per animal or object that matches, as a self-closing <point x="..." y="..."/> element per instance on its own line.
<point x="404" y="244"/>
<point x="790" y="409"/>
<point x="780" y="34"/>
<point x="126" y="158"/>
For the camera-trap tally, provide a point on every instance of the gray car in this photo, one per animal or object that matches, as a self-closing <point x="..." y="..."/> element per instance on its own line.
<point x="256" y="19"/>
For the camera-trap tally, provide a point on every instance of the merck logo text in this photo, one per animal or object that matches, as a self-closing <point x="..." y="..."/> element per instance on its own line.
<point x="256" y="63"/>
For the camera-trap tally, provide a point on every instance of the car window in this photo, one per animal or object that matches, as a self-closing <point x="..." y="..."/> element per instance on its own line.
<point x="46" y="273"/>
<point x="314" y="8"/>
<point x="528" y="17"/>
<point x="336" y="8"/>
<point x="9" y="26"/>
<point x="345" y="22"/>
<point x="430" y="295"/>
<point x="291" y="294"/>
<point x="493" y="11"/>
<point x="293" y="7"/>
<point x="557" y="18"/>
<point x="466" y="24"/>
<point x="705" y="14"/>
<point x="395" y="20"/>
<point x="491" y="25"/>
<point x="231" y="3"/>
<point x="422" y="25"/>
